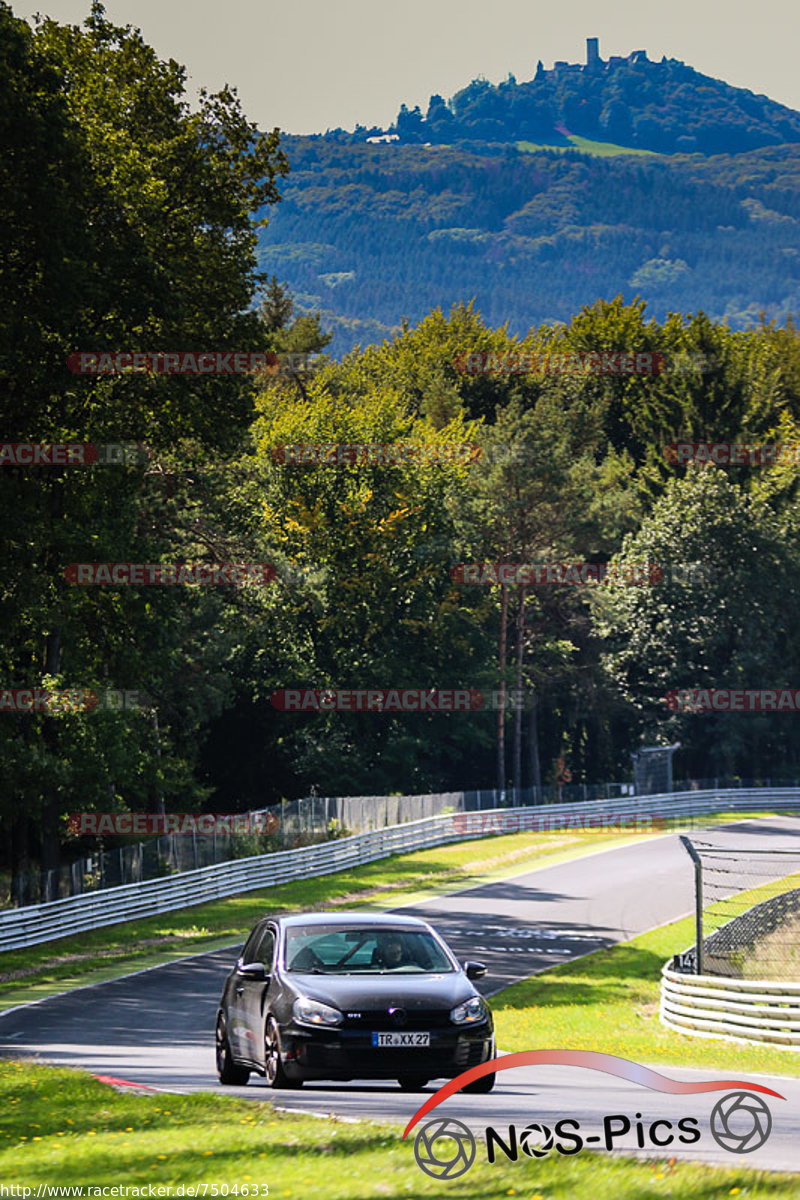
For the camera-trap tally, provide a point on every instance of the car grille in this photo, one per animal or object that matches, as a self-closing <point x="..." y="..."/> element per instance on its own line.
<point x="416" y="1019"/>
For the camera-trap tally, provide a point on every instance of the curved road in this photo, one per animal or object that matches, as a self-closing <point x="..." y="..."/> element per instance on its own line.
<point x="156" y="1027"/>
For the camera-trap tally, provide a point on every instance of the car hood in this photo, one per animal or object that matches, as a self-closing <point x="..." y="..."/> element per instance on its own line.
<point x="367" y="992"/>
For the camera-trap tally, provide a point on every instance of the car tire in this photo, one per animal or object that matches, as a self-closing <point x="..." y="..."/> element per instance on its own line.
<point x="228" y="1071"/>
<point x="275" y="1075"/>
<point x="412" y="1083"/>
<point x="481" y="1086"/>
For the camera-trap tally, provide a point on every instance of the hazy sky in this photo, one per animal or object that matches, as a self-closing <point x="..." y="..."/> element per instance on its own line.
<point x="309" y="65"/>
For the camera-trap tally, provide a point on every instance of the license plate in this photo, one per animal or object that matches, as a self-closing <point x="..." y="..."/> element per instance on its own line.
<point x="401" y="1039"/>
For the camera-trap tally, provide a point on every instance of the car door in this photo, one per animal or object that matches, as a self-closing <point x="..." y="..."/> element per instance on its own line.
<point x="254" y="991"/>
<point x="238" y="1030"/>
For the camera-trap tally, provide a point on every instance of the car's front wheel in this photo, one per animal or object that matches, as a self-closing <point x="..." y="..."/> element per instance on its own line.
<point x="480" y="1086"/>
<point x="412" y="1083"/>
<point x="275" y="1074"/>
<point x="229" y="1072"/>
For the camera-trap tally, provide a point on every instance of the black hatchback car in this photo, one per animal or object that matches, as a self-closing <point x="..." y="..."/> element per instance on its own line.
<point x="351" y="996"/>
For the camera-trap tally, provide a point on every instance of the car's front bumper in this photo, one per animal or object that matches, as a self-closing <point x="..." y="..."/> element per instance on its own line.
<point x="317" y="1053"/>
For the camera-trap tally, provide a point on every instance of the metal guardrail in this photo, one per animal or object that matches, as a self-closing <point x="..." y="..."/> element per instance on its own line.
<point x="744" y="1010"/>
<point x="60" y="918"/>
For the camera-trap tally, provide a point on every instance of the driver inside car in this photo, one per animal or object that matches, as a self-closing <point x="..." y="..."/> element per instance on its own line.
<point x="390" y="952"/>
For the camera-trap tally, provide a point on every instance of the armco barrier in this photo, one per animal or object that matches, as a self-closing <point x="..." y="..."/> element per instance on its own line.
<point x="743" y="1010"/>
<point x="59" y="918"/>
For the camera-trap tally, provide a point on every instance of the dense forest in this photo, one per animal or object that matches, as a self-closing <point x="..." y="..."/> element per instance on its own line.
<point x="370" y="234"/>
<point x="130" y="222"/>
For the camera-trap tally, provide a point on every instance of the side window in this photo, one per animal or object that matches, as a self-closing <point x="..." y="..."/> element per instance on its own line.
<point x="265" y="950"/>
<point x="249" y="952"/>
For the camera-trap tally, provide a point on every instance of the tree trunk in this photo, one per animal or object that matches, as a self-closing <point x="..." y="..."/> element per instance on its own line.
<point x="20" y="859"/>
<point x="501" y="714"/>
<point x="518" y="695"/>
<point x="533" y="749"/>
<point x="51" y="811"/>
<point x="49" y="831"/>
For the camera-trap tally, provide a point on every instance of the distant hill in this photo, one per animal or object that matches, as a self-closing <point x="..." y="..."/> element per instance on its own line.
<point x="665" y="106"/>
<point x="370" y="234"/>
<point x="538" y="207"/>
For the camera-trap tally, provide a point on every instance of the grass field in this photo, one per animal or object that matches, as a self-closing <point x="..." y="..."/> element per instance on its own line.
<point x="65" y="1128"/>
<point x="587" y="146"/>
<point x="773" y="957"/>
<point x="777" y="956"/>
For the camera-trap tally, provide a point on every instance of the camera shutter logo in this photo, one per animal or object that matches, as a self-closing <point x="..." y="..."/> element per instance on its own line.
<point x="536" y="1140"/>
<point x="740" y="1122"/>
<point x="444" y="1148"/>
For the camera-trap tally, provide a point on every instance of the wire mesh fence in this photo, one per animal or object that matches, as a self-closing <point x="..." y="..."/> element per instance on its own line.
<point x="295" y="823"/>
<point x="747" y="905"/>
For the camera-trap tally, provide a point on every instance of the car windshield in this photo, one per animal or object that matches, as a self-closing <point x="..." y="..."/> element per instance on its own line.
<point x="348" y="951"/>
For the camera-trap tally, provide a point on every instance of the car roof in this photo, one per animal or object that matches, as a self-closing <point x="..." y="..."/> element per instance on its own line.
<point x="350" y="918"/>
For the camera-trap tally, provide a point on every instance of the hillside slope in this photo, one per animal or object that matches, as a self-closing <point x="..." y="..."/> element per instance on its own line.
<point x="369" y="234"/>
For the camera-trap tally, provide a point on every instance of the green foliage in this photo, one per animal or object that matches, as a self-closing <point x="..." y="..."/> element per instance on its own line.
<point x="727" y="625"/>
<point x="144" y="236"/>
<point x="132" y="226"/>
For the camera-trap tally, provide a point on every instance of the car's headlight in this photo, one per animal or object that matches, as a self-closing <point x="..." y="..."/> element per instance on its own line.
<point x="314" y="1012"/>
<point x="470" y="1010"/>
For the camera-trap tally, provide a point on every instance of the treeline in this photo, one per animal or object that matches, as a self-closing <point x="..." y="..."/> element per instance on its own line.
<point x="129" y="223"/>
<point x="371" y="234"/>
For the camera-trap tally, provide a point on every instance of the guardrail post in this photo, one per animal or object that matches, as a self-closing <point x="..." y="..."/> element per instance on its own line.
<point x="698" y="902"/>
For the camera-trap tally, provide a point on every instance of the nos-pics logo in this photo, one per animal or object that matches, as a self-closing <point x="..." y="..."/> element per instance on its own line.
<point x="445" y="1148"/>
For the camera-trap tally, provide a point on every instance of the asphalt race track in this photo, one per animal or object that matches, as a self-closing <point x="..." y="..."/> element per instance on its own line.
<point x="157" y="1027"/>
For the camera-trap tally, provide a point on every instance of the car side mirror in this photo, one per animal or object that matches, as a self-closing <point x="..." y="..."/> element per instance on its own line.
<point x="474" y="970"/>
<point x="255" y="970"/>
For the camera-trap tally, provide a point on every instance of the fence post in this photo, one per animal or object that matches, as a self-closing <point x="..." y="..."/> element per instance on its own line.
<point x="698" y="901"/>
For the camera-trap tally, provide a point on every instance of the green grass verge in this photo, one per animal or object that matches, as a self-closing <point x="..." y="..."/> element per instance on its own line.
<point x="587" y="146"/>
<point x="112" y="950"/>
<point x="609" y="1001"/>
<point x="64" y="1127"/>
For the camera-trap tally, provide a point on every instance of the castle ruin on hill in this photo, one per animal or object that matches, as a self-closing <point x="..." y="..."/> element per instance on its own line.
<point x="593" y="60"/>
